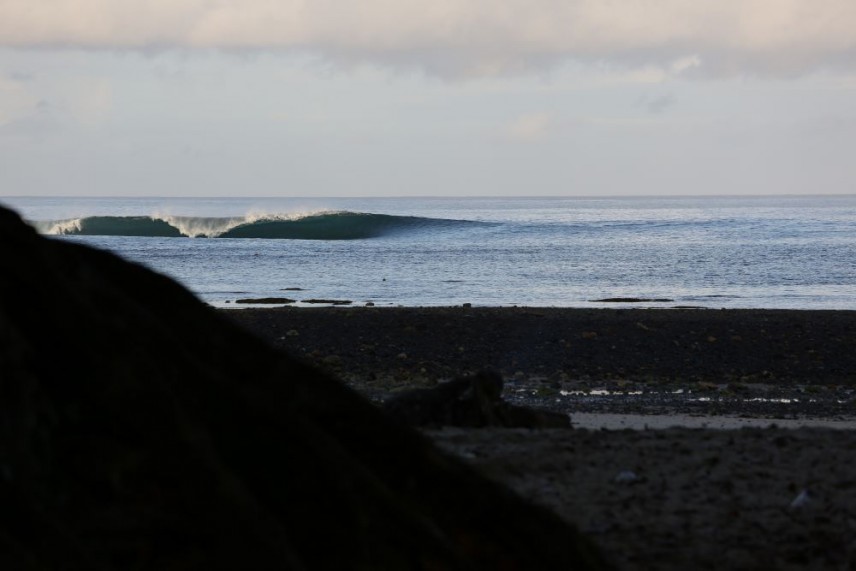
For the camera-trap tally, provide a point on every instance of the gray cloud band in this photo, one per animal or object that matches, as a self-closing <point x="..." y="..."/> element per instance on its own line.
<point x="464" y="38"/>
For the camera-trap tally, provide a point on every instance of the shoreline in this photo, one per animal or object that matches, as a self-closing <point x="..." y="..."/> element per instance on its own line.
<point x="607" y="421"/>
<point x="754" y="477"/>
<point x="773" y="364"/>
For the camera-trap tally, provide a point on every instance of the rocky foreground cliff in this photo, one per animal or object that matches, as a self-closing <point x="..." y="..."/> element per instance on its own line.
<point x="140" y="430"/>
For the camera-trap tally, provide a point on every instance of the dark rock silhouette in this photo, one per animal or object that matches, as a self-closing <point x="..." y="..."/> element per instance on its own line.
<point x="140" y="430"/>
<point x="267" y="300"/>
<point x="474" y="401"/>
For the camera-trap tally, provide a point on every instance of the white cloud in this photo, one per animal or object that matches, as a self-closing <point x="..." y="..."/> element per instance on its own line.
<point x="464" y="37"/>
<point x="684" y="64"/>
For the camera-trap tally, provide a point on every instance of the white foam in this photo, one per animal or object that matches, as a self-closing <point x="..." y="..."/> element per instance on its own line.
<point x="57" y="227"/>
<point x="194" y="226"/>
<point x="211" y="227"/>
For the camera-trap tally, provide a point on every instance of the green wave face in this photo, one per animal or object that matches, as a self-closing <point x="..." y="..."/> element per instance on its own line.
<point x="323" y="226"/>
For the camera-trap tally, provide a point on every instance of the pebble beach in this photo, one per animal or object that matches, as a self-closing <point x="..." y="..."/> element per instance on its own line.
<point x="703" y="438"/>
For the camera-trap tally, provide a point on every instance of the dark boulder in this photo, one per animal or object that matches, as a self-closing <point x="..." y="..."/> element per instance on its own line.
<point x="140" y="430"/>
<point x="473" y="402"/>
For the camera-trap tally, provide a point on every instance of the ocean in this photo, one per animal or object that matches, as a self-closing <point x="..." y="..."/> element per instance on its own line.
<point x="795" y="252"/>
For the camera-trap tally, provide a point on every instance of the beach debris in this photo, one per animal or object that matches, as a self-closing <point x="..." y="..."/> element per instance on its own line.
<point x="266" y="300"/>
<point x="802" y="500"/>
<point x="626" y="477"/>
<point x="472" y="401"/>
<point x="292" y="333"/>
<point x="329" y="301"/>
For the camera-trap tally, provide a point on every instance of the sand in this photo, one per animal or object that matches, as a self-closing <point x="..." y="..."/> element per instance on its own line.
<point x="687" y="498"/>
<point x="703" y="439"/>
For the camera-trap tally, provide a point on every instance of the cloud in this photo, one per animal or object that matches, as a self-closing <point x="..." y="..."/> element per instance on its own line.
<point x="36" y="123"/>
<point x="89" y="100"/>
<point x="15" y="100"/>
<point x="529" y="127"/>
<point x="21" y="76"/>
<point x="464" y="37"/>
<point x="28" y="106"/>
<point x="657" y="104"/>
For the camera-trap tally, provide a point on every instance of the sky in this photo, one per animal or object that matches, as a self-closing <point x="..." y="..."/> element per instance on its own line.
<point x="427" y="98"/>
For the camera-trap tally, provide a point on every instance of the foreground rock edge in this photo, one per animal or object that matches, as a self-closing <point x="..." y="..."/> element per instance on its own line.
<point x="142" y="430"/>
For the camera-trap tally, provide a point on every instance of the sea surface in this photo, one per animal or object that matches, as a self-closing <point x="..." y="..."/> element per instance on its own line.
<point x="715" y="252"/>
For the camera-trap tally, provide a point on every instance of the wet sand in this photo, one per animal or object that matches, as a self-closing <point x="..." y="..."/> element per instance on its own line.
<point x="754" y="477"/>
<point x="607" y="421"/>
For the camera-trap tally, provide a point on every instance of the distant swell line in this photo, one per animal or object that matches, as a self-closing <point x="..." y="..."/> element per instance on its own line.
<point x="321" y="226"/>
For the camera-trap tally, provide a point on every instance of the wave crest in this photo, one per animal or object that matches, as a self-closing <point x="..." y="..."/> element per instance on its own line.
<point x="316" y="226"/>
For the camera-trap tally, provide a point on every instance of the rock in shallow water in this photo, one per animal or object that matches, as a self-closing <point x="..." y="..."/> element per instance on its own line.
<point x="141" y="430"/>
<point x="267" y="300"/>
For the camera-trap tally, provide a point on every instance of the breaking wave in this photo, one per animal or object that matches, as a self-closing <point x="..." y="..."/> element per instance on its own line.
<point x="318" y="226"/>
